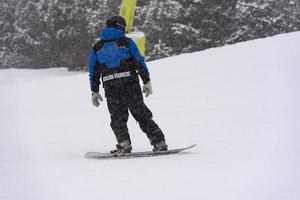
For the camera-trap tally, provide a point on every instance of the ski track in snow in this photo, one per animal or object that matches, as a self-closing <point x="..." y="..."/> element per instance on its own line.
<point x="238" y="103"/>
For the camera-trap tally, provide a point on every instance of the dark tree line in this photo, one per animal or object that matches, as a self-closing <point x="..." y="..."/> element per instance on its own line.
<point x="52" y="33"/>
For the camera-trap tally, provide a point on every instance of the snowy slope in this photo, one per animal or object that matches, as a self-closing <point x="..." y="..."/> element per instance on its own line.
<point x="239" y="103"/>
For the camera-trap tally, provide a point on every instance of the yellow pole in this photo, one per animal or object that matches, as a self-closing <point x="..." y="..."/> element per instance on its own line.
<point x="127" y="11"/>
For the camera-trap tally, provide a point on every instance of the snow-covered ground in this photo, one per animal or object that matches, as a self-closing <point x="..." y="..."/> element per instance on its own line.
<point x="239" y="103"/>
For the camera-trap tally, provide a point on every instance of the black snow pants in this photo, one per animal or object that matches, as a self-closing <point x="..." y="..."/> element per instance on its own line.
<point x="124" y="96"/>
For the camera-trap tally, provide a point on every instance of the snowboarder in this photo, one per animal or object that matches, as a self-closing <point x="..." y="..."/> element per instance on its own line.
<point x="116" y="59"/>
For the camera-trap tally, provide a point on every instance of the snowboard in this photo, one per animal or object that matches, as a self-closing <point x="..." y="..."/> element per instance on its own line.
<point x="136" y="154"/>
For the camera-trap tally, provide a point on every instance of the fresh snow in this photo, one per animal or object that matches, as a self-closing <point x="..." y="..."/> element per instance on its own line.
<point x="239" y="103"/>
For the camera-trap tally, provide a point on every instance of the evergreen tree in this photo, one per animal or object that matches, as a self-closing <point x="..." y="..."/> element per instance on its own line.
<point x="59" y="33"/>
<point x="264" y="18"/>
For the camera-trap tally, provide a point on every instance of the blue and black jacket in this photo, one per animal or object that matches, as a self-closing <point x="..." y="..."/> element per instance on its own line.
<point x="115" y="53"/>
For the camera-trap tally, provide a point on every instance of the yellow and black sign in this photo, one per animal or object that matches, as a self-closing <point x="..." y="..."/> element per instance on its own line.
<point x="127" y="11"/>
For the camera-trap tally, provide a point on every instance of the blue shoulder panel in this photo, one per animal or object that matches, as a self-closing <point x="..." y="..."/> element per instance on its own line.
<point x="136" y="53"/>
<point x="111" y="55"/>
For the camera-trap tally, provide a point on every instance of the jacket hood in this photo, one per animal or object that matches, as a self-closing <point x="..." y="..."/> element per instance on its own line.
<point x="111" y="34"/>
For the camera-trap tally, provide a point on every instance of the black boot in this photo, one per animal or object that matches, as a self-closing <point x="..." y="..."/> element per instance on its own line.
<point x="161" y="146"/>
<point x="123" y="147"/>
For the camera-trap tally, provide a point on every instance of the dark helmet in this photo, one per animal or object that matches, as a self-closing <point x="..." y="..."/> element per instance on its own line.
<point x="116" y="22"/>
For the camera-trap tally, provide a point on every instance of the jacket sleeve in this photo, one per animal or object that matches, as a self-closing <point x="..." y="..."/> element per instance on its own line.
<point x="139" y="61"/>
<point x="94" y="73"/>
